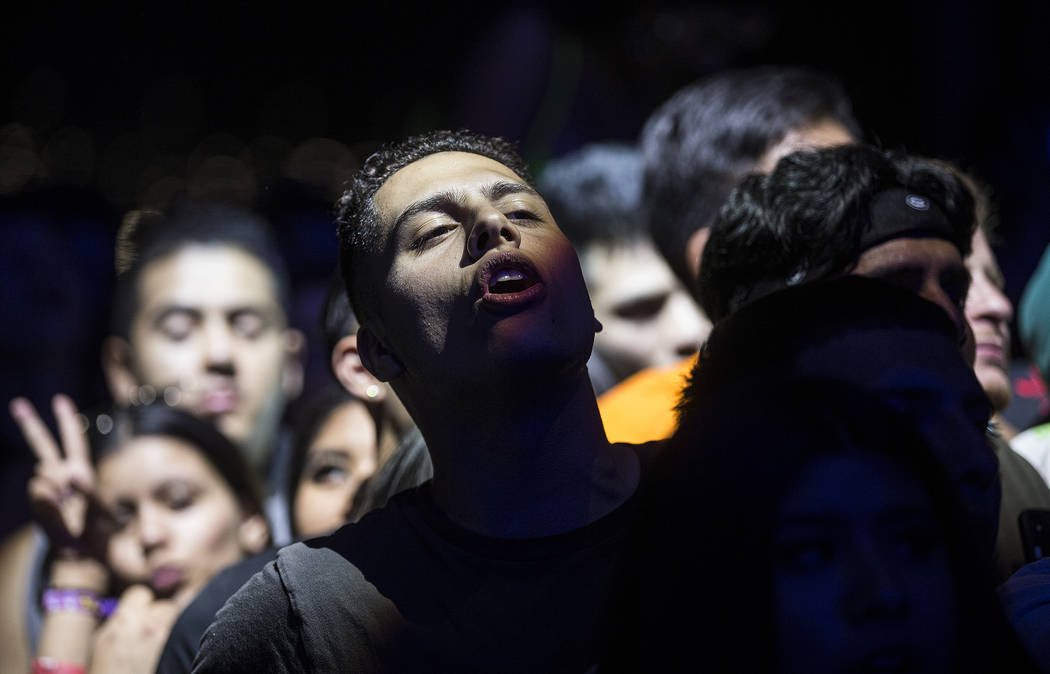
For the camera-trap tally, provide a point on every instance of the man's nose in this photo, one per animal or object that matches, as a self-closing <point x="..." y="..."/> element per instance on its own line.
<point x="872" y="590"/>
<point x="218" y="344"/>
<point x="985" y="300"/>
<point x="491" y="230"/>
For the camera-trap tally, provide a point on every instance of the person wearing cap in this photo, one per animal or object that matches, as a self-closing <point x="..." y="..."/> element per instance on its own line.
<point x="859" y="210"/>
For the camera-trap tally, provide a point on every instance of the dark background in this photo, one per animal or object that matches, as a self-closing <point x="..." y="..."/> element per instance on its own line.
<point x="102" y="111"/>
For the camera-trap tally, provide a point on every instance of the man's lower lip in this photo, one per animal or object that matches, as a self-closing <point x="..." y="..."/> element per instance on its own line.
<point x="989" y="352"/>
<point x="165" y="579"/>
<point x="216" y="403"/>
<point x="513" y="301"/>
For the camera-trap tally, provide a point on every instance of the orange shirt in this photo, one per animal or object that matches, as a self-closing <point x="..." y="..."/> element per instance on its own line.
<point x="641" y="408"/>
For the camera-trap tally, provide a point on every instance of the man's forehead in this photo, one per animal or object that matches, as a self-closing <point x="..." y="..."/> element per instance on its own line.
<point x="207" y="275"/>
<point x="436" y="173"/>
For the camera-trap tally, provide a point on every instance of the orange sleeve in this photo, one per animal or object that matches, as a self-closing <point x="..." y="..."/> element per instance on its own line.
<point x="641" y="408"/>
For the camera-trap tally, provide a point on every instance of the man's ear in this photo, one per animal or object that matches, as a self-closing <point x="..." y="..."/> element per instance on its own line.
<point x="376" y="358"/>
<point x="292" y="369"/>
<point x="351" y="372"/>
<point x="253" y="534"/>
<point x="116" y="366"/>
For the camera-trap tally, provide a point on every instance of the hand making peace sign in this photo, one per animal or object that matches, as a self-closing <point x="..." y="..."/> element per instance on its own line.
<point x="62" y="490"/>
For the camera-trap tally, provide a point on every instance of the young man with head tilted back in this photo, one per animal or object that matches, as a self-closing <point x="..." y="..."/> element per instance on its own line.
<point x="473" y="306"/>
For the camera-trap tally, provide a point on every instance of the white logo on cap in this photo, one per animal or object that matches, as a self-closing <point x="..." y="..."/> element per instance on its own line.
<point x="917" y="202"/>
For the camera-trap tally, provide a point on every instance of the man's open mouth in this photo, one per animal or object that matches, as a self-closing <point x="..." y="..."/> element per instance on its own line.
<point x="509" y="280"/>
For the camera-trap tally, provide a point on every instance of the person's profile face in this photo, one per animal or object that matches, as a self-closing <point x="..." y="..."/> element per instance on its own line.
<point x="862" y="580"/>
<point x="175" y="519"/>
<point x="929" y="267"/>
<point x="989" y="312"/>
<point x="476" y="272"/>
<point x="648" y="319"/>
<point x="210" y="336"/>
<point x="340" y="457"/>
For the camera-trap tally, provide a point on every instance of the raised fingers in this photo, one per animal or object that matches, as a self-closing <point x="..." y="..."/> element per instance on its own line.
<point x="36" y="434"/>
<point x="74" y="442"/>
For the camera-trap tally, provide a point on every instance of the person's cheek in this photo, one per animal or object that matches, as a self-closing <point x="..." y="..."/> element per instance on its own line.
<point x="207" y="537"/>
<point x="126" y="558"/>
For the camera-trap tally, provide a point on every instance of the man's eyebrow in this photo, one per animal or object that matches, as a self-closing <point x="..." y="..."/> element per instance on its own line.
<point x="503" y="188"/>
<point x="454" y="199"/>
<point x="166" y="310"/>
<point x="443" y="201"/>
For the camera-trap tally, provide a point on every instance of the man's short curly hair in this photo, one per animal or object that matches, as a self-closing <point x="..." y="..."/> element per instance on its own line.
<point x="806" y="220"/>
<point x="358" y="227"/>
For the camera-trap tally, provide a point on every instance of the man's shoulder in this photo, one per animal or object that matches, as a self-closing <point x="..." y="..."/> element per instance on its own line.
<point x="307" y="610"/>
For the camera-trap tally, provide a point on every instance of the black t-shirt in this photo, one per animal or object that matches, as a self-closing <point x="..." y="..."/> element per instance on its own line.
<point x="406" y="589"/>
<point x="409" y="467"/>
<point x="185" y="636"/>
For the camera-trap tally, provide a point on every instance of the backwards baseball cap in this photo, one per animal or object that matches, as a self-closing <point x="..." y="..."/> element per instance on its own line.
<point x="897" y="213"/>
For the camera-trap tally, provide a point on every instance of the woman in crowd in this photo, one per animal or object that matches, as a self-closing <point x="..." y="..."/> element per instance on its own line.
<point x="334" y="457"/>
<point x="336" y="451"/>
<point x="154" y="506"/>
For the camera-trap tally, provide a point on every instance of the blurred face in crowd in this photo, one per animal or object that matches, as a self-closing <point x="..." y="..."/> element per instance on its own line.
<point x="989" y="312"/>
<point x="814" y="136"/>
<point x="341" y="456"/>
<point x="931" y="268"/>
<point x="176" y="520"/>
<point x="209" y="329"/>
<point x="648" y="319"/>
<point x="862" y="580"/>
<point x="480" y="283"/>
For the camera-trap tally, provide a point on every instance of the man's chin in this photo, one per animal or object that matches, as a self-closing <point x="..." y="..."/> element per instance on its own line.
<point x="996" y="385"/>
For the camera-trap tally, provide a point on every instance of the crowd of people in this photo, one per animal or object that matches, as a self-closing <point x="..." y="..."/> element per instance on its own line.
<point x="725" y="400"/>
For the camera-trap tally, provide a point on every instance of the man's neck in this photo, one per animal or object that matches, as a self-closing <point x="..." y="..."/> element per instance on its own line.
<point x="528" y="461"/>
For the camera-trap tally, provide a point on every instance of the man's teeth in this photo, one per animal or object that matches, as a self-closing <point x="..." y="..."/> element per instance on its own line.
<point x="508" y="275"/>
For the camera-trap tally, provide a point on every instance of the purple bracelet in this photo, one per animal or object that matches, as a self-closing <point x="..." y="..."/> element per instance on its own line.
<point x="78" y="601"/>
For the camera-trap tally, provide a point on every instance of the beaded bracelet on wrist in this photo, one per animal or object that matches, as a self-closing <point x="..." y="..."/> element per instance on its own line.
<point x="78" y="601"/>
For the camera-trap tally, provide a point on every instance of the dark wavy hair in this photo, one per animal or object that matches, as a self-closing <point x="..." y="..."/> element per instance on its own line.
<point x="699" y="144"/>
<point x="158" y="419"/>
<point x="805" y="220"/>
<point x="361" y="233"/>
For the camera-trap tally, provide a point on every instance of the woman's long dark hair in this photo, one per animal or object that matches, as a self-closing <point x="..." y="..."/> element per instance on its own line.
<point x="159" y="419"/>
